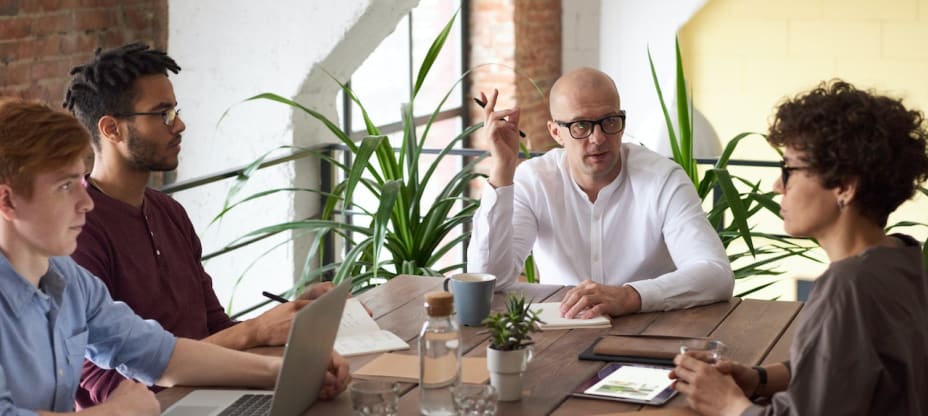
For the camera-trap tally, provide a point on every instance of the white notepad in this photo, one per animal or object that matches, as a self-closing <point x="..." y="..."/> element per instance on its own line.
<point x="551" y="314"/>
<point x="359" y="334"/>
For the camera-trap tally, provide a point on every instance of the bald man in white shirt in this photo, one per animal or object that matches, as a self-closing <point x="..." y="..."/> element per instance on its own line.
<point x="621" y="223"/>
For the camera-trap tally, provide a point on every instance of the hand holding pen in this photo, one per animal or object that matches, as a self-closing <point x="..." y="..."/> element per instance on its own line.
<point x="483" y="104"/>
<point x="501" y="133"/>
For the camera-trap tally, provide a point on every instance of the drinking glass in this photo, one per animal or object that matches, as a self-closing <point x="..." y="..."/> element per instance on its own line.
<point x="374" y="398"/>
<point x="714" y="350"/>
<point x="474" y="399"/>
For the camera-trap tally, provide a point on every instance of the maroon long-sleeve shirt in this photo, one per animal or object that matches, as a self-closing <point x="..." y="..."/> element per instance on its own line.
<point x="149" y="258"/>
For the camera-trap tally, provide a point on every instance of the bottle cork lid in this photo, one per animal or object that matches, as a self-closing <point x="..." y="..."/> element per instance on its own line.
<point x="439" y="303"/>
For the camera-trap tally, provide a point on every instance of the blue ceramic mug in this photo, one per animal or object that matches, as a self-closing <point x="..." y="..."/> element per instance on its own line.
<point x="473" y="294"/>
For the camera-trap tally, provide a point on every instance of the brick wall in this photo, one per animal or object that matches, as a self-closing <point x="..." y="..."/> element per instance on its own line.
<point x="40" y="40"/>
<point x="516" y="40"/>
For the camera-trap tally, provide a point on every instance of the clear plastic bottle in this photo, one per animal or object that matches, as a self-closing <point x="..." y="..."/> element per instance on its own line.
<point x="439" y="356"/>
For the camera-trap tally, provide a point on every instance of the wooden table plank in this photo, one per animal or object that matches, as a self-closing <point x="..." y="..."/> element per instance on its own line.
<point x="402" y="290"/>
<point x="695" y="322"/>
<point x="780" y="350"/>
<point x="753" y="328"/>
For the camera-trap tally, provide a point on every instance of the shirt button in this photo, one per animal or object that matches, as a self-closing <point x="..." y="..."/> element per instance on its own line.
<point x="60" y="373"/>
<point x="595" y="259"/>
<point x="158" y="252"/>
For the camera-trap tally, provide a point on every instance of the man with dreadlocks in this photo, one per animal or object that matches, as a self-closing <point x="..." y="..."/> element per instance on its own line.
<point x="139" y="241"/>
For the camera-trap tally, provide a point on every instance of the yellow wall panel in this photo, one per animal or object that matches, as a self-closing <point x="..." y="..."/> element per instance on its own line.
<point x="871" y="9"/>
<point x="743" y="57"/>
<point x="905" y="40"/>
<point x="816" y="38"/>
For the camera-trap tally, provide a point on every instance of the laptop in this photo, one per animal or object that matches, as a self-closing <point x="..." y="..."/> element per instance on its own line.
<point x="306" y="359"/>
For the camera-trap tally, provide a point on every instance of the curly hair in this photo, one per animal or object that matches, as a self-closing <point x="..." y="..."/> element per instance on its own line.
<point x="35" y="139"/>
<point x="849" y="134"/>
<point x="104" y="85"/>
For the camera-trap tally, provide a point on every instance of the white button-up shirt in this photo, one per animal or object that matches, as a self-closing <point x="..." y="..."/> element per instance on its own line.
<point x="646" y="229"/>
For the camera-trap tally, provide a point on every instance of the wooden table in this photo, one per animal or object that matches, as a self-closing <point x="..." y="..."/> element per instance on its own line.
<point x="754" y="331"/>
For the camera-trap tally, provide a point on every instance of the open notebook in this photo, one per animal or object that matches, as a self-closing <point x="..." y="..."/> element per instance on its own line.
<point x="359" y="333"/>
<point x="551" y="315"/>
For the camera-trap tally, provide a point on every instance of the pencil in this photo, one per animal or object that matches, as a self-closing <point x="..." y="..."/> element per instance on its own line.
<point x="483" y="105"/>
<point x="272" y="296"/>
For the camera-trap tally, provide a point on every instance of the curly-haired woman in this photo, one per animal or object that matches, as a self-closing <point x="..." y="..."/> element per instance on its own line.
<point x="850" y="158"/>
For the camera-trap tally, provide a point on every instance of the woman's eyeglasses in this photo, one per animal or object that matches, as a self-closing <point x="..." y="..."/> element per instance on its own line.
<point x="786" y="171"/>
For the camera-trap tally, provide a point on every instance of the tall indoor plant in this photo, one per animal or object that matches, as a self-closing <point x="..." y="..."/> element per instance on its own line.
<point x="406" y="233"/>
<point x="739" y="199"/>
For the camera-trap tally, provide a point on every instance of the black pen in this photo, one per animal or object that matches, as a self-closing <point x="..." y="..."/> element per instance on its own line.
<point x="272" y="296"/>
<point x="483" y="105"/>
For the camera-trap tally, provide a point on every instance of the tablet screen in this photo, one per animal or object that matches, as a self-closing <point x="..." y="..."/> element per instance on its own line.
<point x="637" y="383"/>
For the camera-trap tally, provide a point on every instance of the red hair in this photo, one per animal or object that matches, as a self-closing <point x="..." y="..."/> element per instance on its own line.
<point x="36" y="139"/>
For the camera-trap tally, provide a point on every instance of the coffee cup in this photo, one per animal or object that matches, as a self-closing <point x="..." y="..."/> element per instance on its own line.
<point x="473" y="293"/>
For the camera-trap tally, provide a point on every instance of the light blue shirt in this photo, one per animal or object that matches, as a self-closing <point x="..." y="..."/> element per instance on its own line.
<point x="46" y="332"/>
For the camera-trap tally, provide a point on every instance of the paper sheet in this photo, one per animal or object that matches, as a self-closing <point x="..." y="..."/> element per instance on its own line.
<point x="359" y="334"/>
<point x="551" y="314"/>
<point x="405" y="367"/>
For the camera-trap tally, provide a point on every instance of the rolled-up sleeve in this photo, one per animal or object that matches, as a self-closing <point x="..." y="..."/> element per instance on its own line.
<point x="703" y="273"/>
<point x="120" y="339"/>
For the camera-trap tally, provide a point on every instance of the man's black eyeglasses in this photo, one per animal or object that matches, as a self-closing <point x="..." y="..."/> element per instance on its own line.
<point x="581" y="129"/>
<point x="786" y="171"/>
<point x="168" y="116"/>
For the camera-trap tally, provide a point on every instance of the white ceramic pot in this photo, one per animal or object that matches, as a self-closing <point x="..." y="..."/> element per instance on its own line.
<point x="506" y="368"/>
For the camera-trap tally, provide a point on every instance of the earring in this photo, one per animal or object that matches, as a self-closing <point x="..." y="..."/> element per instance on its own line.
<point x="840" y="204"/>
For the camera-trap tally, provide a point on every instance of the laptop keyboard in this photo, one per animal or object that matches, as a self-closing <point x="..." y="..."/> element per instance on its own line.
<point x="249" y="405"/>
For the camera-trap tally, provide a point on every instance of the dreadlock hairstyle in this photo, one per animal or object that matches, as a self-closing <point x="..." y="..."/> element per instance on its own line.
<point x="104" y="85"/>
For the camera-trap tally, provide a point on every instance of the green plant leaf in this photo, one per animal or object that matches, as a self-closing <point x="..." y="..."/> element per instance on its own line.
<point x="388" y="199"/>
<point x="432" y="54"/>
<point x="685" y="121"/>
<point x="671" y="132"/>
<point x="738" y="211"/>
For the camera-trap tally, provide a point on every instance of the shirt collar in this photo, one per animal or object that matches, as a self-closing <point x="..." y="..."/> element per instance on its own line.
<point x="16" y="290"/>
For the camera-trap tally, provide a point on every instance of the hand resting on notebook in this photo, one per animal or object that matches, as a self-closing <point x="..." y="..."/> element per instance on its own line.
<point x="589" y="299"/>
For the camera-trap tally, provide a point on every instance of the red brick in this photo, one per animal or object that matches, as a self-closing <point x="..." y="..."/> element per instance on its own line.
<point x="94" y="19"/>
<point x="42" y="47"/>
<point x="81" y="43"/>
<point x="9" y="52"/>
<point x="9" y="7"/>
<point x="46" y="69"/>
<point x="100" y="3"/>
<point x="49" y="5"/>
<point x="112" y="38"/>
<point x="15" y="73"/>
<point x="53" y="23"/>
<point x="15" y="28"/>
<point x="139" y="17"/>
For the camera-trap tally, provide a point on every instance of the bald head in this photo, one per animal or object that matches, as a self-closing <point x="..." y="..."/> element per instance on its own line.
<point x="580" y="87"/>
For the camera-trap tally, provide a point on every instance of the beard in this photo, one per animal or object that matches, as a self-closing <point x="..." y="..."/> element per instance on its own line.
<point x="144" y="154"/>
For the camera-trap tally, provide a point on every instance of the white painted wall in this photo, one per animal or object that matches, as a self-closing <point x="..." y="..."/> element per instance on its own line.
<point x="626" y="29"/>
<point x="233" y="49"/>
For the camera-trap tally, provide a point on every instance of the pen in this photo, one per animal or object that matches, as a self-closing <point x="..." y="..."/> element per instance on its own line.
<point x="272" y="296"/>
<point x="483" y="105"/>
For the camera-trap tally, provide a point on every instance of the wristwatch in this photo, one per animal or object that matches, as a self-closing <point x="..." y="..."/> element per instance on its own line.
<point x="762" y="380"/>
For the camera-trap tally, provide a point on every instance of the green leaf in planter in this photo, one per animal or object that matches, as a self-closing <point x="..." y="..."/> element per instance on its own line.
<point x="388" y="198"/>
<point x="432" y="54"/>
<point x="739" y="213"/>
<point x="671" y="132"/>
<point x="685" y="120"/>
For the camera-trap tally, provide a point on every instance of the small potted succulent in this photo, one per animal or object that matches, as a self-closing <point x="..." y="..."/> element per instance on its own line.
<point x="510" y="348"/>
